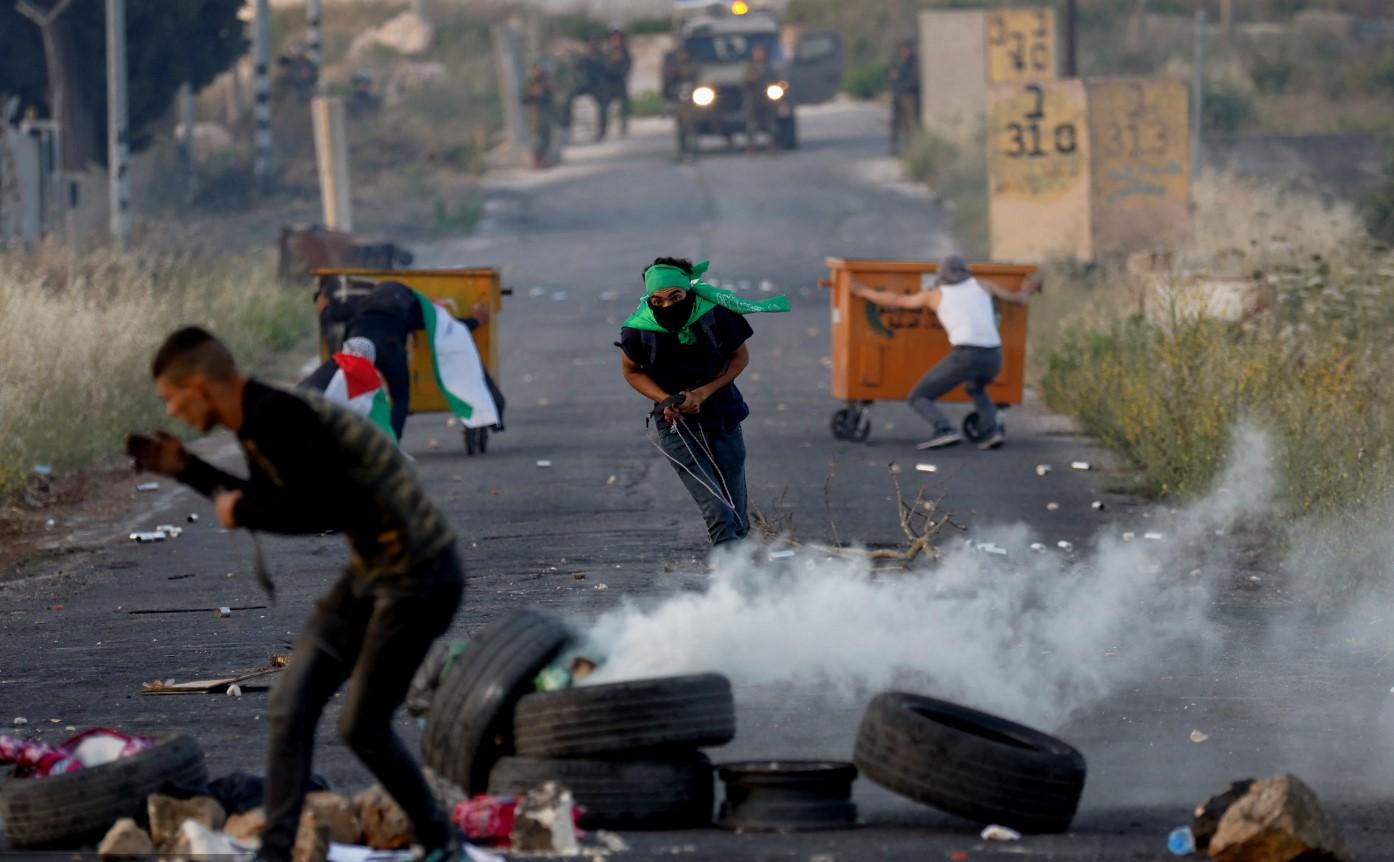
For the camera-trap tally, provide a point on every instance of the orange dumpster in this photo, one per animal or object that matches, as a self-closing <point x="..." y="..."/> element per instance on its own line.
<point x="459" y="290"/>
<point x="880" y="353"/>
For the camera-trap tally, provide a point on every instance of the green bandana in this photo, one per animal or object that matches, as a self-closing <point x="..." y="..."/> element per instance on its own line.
<point x="662" y="277"/>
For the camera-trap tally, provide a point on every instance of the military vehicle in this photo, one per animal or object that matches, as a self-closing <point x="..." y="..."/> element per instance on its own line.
<point x="719" y="38"/>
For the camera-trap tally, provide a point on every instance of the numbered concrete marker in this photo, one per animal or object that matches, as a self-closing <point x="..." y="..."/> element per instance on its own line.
<point x="1020" y="45"/>
<point x="1140" y="177"/>
<point x="963" y="50"/>
<point x="1038" y="171"/>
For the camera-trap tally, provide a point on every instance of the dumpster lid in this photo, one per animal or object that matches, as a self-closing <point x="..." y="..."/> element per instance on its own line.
<point x="876" y="265"/>
<point x="396" y="273"/>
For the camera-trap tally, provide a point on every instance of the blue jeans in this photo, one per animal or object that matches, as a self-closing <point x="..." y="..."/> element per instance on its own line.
<point x="687" y="445"/>
<point x="972" y="367"/>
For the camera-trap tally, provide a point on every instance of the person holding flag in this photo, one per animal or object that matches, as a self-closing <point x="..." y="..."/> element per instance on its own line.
<point x="387" y="317"/>
<point x="350" y="378"/>
<point x="683" y="348"/>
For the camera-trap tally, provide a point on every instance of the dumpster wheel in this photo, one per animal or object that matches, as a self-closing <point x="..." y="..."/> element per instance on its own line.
<point x="974" y="432"/>
<point x="852" y="423"/>
<point x="476" y="441"/>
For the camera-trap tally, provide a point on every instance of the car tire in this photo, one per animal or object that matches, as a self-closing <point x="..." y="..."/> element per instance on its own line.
<point x="970" y="763"/>
<point x="76" y="809"/>
<point x="471" y="717"/>
<point x="627" y="717"/>
<point x="620" y="794"/>
<point x="787" y="796"/>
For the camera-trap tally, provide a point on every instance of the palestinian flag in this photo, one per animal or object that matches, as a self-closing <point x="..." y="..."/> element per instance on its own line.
<point x="357" y="385"/>
<point x="458" y="368"/>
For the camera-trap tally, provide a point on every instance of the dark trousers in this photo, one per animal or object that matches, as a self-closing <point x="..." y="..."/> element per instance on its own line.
<point x="373" y="635"/>
<point x="687" y="447"/>
<point x="972" y="367"/>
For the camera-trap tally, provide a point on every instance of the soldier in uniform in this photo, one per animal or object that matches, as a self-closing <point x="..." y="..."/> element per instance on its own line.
<point x="538" y="102"/>
<point x="590" y="81"/>
<point x="618" y="62"/>
<point x="905" y="95"/>
<point x="680" y="77"/>
<point x="759" y="112"/>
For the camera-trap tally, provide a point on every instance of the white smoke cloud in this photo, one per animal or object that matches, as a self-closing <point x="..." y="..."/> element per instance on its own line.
<point x="1033" y="636"/>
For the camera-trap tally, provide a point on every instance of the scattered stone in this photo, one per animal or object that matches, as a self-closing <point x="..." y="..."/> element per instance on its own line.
<point x="194" y="840"/>
<point x="193" y="518"/>
<point x="544" y="463"/>
<point x="385" y="825"/>
<point x="610" y="841"/>
<point x="247" y="827"/>
<point x="781" y="554"/>
<point x="1206" y="818"/>
<point x="1038" y="547"/>
<point x="927" y="468"/>
<point x="1097" y="505"/>
<point x="543" y="821"/>
<point x="1153" y="537"/>
<point x="223" y="612"/>
<point x="143" y="537"/>
<point x="337" y="813"/>
<point x="126" y="840"/>
<point x="1276" y="820"/>
<point x="20" y="721"/>
<point x="600" y="588"/>
<point x="234" y="691"/>
<point x="1043" y="469"/>
<point x="1128" y="537"/>
<point x="612" y="480"/>
<point x="168" y="813"/>
<point x="1199" y="737"/>
<point x="148" y="486"/>
<point x="1079" y="465"/>
<point x="311" y="839"/>
<point x="1065" y="546"/>
<point x="432" y="444"/>
<point x="1052" y="507"/>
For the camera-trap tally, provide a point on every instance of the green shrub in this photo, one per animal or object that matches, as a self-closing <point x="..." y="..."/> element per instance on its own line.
<point x="865" y="81"/>
<point x="1379" y="204"/>
<point x="1271" y="74"/>
<point x="1226" y="108"/>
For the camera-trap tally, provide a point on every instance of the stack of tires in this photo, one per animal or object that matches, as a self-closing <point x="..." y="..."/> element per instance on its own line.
<point x="629" y="752"/>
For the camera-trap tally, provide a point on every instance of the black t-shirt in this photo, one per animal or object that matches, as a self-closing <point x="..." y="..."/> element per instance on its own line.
<point x="676" y="367"/>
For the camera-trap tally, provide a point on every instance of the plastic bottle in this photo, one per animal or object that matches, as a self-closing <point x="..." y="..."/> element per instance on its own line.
<point x="1181" y="842"/>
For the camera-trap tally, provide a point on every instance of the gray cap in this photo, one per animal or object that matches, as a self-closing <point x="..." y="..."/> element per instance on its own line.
<point x="953" y="269"/>
<point x="360" y="346"/>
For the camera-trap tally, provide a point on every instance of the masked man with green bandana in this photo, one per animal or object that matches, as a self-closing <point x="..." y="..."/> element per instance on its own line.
<point x="687" y="338"/>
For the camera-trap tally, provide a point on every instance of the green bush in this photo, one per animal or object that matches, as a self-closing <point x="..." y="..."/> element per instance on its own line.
<point x="1271" y="74"/>
<point x="1379" y="205"/>
<point x="865" y="81"/>
<point x="1226" y="109"/>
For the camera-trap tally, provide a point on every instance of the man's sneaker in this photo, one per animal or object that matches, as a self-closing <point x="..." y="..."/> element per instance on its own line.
<point x="993" y="441"/>
<point x="940" y="440"/>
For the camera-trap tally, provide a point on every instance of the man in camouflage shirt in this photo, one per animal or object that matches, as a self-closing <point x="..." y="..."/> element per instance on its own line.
<point x="314" y="466"/>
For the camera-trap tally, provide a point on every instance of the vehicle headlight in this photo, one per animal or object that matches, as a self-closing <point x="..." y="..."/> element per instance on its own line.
<point x="775" y="92"/>
<point x="703" y="96"/>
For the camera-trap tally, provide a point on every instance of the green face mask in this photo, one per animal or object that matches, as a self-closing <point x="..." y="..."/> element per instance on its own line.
<point x="663" y="276"/>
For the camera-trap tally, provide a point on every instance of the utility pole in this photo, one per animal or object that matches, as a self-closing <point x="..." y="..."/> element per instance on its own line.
<point x="313" y="11"/>
<point x="261" y="108"/>
<point x="186" y="146"/>
<point x="118" y="143"/>
<point x="1071" y="39"/>
<point x="1197" y="93"/>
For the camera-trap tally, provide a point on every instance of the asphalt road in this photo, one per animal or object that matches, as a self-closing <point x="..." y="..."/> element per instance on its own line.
<point x="1122" y="649"/>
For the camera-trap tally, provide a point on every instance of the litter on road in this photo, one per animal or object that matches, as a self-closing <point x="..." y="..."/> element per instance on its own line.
<point x="1097" y="505"/>
<point x="1079" y="465"/>
<point x="1199" y="737"/>
<point x="781" y="555"/>
<point x="148" y="486"/>
<point x="217" y="610"/>
<point x="1000" y="833"/>
<point x="927" y="468"/>
<point x="544" y="463"/>
<point x="1153" y="537"/>
<point x="144" y="537"/>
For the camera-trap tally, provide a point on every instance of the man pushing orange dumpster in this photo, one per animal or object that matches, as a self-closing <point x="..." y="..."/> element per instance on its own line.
<point x="964" y="307"/>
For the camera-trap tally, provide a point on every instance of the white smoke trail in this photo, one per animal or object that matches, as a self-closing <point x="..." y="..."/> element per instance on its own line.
<point x="1033" y="636"/>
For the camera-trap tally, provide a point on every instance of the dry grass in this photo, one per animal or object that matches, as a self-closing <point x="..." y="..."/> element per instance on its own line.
<point x="77" y="334"/>
<point x="1311" y="367"/>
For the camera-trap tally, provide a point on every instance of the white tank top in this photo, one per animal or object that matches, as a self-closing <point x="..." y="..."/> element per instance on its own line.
<point x="966" y="312"/>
